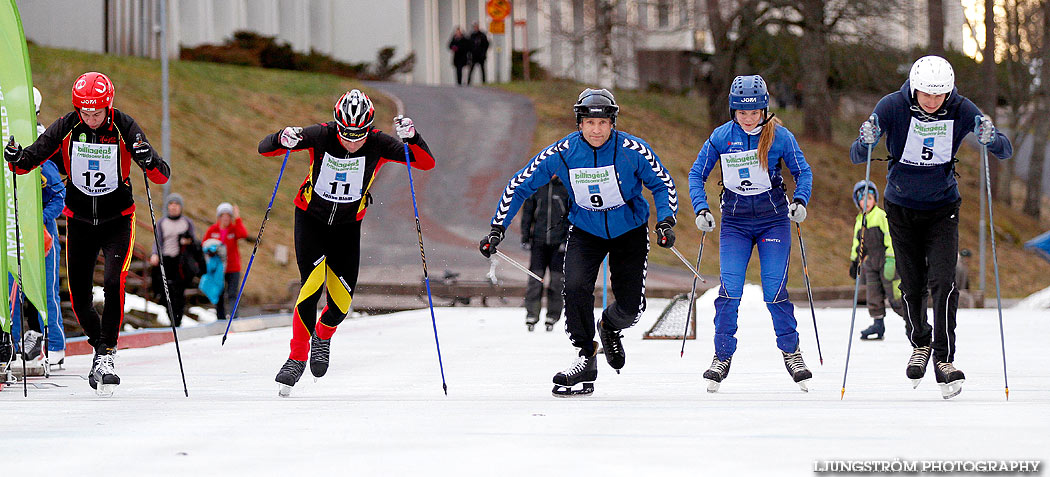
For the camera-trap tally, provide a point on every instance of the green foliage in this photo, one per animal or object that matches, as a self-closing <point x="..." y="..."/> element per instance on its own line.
<point x="517" y="67"/>
<point x="247" y="48"/>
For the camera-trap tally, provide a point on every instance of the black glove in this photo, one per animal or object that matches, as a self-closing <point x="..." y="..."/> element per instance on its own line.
<point x="13" y="151"/>
<point x="665" y="233"/>
<point x="853" y="266"/>
<point x="490" y="241"/>
<point x="143" y="154"/>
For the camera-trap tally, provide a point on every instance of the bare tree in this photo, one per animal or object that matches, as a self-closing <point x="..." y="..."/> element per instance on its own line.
<point x="989" y="84"/>
<point x="935" y="23"/>
<point x="731" y="25"/>
<point x="1034" y="191"/>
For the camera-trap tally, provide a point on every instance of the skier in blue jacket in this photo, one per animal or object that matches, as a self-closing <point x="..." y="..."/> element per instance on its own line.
<point x="755" y="212"/>
<point x="924" y="124"/>
<point x="605" y="170"/>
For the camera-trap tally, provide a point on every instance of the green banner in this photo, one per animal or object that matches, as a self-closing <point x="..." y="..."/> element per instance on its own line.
<point x="18" y="118"/>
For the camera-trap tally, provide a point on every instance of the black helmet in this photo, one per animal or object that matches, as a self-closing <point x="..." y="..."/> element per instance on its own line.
<point x="354" y="115"/>
<point x="596" y="103"/>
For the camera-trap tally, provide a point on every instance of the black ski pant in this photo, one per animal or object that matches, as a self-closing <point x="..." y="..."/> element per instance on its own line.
<point x="926" y="244"/>
<point x="228" y="297"/>
<point x="176" y="287"/>
<point x="84" y="241"/>
<point x="328" y="257"/>
<point x="545" y="257"/>
<point x="628" y="259"/>
<point x="879" y="291"/>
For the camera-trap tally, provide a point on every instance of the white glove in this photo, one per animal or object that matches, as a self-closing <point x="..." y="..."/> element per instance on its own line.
<point x="797" y="211"/>
<point x="870" y="131"/>
<point x="406" y="129"/>
<point x="291" y="136"/>
<point x="705" y="222"/>
<point x="984" y="130"/>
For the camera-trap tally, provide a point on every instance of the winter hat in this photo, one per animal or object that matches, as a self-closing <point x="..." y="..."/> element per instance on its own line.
<point x="224" y="208"/>
<point x="174" y="197"/>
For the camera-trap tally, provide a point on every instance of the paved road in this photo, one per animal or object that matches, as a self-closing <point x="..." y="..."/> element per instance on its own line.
<point x="479" y="137"/>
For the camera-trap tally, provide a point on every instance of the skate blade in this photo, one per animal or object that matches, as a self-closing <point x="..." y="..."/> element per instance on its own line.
<point x="560" y="391"/>
<point x="869" y="338"/>
<point x="915" y="383"/>
<point x="284" y="390"/>
<point x="712" y="386"/>
<point x="105" y="390"/>
<point x="802" y="385"/>
<point x="951" y="389"/>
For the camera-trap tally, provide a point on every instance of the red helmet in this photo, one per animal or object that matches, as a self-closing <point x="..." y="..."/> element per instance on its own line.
<point x="92" y="91"/>
<point x="354" y="115"/>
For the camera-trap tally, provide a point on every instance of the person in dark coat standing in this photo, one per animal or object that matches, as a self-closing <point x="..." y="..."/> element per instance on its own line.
<point x="479" y="51"/>
<point x="461" y="47"/>
<point x="544" y="223"/>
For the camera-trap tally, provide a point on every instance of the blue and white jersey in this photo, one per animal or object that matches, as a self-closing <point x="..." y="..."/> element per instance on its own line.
<point x="748" y="190"/>
<point x="604" y="183"/>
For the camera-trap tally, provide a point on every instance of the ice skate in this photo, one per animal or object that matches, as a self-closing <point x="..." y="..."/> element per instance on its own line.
<point x="797" y="369"/>
<point x="530" y="326"/>
<point x="530" y="322"/>
<point x="875" y="331"/>
<point x="920" y="357"/>
<point x="56" y="358"/>
<point x="613" y="347"/>
<point x="289" y="375"/>
<point x="103" y="377"/>
<point x="7" y="353"/>
<point x="719" y="371"/>
<point x="949" y="379"/>
<point x="319" y="351"/>
<point x="584" y="370"/>
<point x="550" y="326"/>
<point x="34" y="345"/>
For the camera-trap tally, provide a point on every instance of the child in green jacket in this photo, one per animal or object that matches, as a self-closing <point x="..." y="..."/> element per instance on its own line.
<point x="872" y="257"/>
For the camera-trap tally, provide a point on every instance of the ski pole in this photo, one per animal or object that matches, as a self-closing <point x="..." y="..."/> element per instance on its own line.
<point x="426" y="277"/>
<point x="18" y="259"/>
<point x="856" y="287"/>
<point x="258" y="238"/>
<point x="809" y="290"/>
<point x="605" y="282"/>
<point x="692" y="294"/>
<point x="519" y="266"/>
<point x="995" y="266"/>
<point x="687" y="264"/>
<point x="163" y="276"/>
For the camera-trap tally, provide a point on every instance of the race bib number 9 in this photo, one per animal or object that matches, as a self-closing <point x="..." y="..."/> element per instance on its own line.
<point x="929" y="143"/>
<point x="596" y="188"/>
<point x="341" y="179"/>
<point x="94" y="168"/>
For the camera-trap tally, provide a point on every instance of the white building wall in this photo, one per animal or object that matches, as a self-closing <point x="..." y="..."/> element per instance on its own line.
<point x="52" y="23"/>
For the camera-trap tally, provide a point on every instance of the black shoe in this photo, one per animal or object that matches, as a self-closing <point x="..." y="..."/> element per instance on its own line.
<point x="613" y="347"/>
<point x="7" y="348"/>
<point x="584" y="369"/>
<point x="319" y="351"/>
<point x="103" y="376"/>
<point x="875" y="331"/>
<point x="949" y="379"/>
<point x="34" y="342"/>
<point x="718" y="371"/>
<point x="797" y="368"/>
<point x="289" y="375"/>
<point x="550" y="326"/>
<point x="920" y="358"/>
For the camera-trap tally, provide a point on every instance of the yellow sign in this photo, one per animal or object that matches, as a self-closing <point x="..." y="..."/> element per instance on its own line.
<point x="496" y="27"/>
<point x="498" y="10"/>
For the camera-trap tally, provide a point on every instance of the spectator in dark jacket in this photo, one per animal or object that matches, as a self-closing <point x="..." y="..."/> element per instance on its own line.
<point x="544" y="227"/>
<point x="461" y="47"/>
<point x="479" y="51"/>
<point x="181" y="265"/>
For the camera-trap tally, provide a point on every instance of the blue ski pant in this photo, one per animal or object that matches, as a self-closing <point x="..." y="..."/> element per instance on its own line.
<point x="56" y="339"/>
<point x="737" y="238"/>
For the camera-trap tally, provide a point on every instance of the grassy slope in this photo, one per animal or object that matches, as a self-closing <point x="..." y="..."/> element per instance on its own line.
<point x="676" y="127"/>
<point x="218" y="115"/>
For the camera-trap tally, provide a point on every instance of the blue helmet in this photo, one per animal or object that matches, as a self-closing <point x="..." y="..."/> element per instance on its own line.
<point x="858" y="191"/>
<point x="748" y="92"/>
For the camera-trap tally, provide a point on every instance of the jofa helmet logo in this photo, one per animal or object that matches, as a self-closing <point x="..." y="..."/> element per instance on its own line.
<point x="749" y="100"/>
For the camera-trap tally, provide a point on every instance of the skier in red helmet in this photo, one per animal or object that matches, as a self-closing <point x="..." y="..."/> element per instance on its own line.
<point x="94" y="147"/>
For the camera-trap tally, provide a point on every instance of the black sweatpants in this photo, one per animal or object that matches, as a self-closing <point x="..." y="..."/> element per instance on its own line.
<point x="328" y="257"/>
<point x="628" y="259"/>
<point x="84" y="241"/>
<point x="926" y="244"/>
<point x="545" y="257"/>
<point x="176" y="287"/>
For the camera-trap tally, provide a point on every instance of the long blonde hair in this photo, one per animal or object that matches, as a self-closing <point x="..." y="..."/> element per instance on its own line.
<point x="765" y="141"/>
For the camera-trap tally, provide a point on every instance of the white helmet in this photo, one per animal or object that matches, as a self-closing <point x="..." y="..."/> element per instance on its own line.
<point x="37" y="99"/>
<point x="932" y="75"/>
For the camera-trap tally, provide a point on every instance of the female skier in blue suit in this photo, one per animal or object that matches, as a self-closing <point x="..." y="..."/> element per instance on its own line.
<point x="755" y="211"/>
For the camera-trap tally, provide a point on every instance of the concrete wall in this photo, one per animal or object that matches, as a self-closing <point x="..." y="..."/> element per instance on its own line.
<point x="55" y="23"/>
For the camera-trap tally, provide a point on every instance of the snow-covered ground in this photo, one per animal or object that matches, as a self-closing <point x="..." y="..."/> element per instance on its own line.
<point x="381" y="411"/>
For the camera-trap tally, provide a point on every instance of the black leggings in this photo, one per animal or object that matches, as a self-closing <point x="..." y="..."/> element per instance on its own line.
<point x="628" y="259"/>
<point x="84" y="241"/>
<point x="328" y="257"/>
